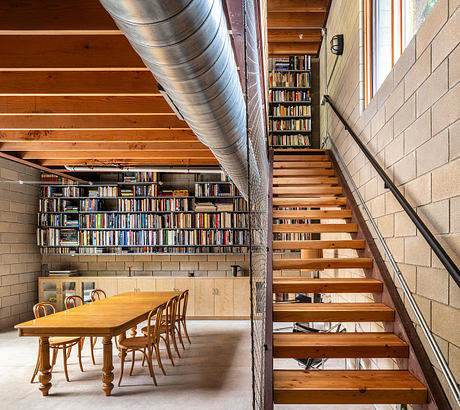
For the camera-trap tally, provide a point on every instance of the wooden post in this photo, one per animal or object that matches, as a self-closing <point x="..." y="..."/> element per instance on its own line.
<point x="107" y="368"/>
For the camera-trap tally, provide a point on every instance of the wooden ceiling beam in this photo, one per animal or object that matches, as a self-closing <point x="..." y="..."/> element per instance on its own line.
<point x="103" y="146"/>
<point x="90" y="122"/>
<point x="77" y="53"/>
<point x="79" y="83"/>
<point x="60" y="17"/>
<point x="293" y="36"/>
<point x="286" y="49"/>
<point x="297" y="6"/>
<point x="295" y="20"/>
<point x="130" y="162"/>
<point x="104" y="155"/>
<point x="108" y="136"/>
<point x="96" y="105"/>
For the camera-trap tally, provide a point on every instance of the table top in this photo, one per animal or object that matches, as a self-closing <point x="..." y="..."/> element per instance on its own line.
<point x="106" y="317"/>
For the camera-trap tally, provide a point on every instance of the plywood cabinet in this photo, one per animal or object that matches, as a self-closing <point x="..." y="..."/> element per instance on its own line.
<point x="208" y="297"/>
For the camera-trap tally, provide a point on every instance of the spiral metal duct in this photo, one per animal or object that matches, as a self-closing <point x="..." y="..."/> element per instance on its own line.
<point x="186" y="45"/>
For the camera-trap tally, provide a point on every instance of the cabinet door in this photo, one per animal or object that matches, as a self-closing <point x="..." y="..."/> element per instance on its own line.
<point x="224" y="297"/>
<point x="126" y="285"/>
<point x="69" y="288"/>
<point x="87" y="286"/>
<point x="50" y="291"/>
<point x="145" y="284"/>
<point x="187" y="283"/>
<point x="242" y="299"/>
<point x="108" y="285"/>
<point x="164" y="284"/>
<point x="204" y="297"/>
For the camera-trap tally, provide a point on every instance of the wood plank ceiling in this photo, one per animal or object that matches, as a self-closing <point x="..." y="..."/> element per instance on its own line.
<point x="73" y="92"/>
<point x="294" y="26"/>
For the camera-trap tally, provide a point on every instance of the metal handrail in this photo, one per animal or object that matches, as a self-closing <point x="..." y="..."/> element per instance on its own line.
<point x="454" y="387"/>
<point x="437" y="248"/>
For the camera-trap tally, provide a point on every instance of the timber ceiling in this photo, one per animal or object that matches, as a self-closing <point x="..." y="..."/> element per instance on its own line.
<point x="73" y="92"/>
<point x="294" y="26"/>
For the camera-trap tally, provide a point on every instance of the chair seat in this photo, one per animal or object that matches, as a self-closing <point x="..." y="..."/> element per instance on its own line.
<point x="133" y="342"/>
<point x="62" y="340"/>
<point x="162" y="329"/>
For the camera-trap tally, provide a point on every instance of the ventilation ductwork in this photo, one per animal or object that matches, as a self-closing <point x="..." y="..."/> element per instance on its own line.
<point x="186" y="45"/>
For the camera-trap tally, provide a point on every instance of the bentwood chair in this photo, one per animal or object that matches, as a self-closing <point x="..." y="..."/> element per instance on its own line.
<point x="168" y="328"/>
<point x="144" y="344"/>
<point x="56" y="343"/>
<point x="180" y="317"/>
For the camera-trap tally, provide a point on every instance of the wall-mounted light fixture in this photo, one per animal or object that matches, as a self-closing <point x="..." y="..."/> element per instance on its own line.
<point x="337" y="44"/>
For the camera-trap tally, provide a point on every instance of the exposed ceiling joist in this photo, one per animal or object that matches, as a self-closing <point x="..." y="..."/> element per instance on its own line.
<point x="103" y="146"/>
<point x="295" y="20"/>
<point x="88" y="155"/>
<point x="130" y="162"/>
<point x="298" y="6"/>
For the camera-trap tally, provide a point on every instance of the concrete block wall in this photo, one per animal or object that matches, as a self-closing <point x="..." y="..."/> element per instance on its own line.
<point x="20" y="259"/>
<point x="149" y="265"/>
<point x="412" y="127"/>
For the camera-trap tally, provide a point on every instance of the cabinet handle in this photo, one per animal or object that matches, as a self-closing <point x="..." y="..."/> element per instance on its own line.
<point x="216" y="291"/>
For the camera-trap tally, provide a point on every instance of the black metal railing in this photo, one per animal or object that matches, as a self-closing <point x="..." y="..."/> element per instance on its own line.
<point x="434" y="244"/>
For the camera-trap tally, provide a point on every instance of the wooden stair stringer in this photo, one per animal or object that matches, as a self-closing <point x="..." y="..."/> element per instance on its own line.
<point x="418" y="362"/>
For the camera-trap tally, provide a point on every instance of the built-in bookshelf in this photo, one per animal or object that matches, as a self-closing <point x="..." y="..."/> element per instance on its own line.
<point x="290" y="102"/>
<point x="141" y="215"/>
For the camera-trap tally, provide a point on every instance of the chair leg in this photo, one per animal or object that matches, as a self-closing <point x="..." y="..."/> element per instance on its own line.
<point x="173" y="337"/>
<point x="149" y="362"/>
<point x="168" y="348"/>
<point x="143" y="359"/>
<point x="55" y="353"/>
<point x="132" y="363"/>
<point x="92" y="342"/>
<point x="37" y="366"/>
<point x="80" y="347"/>
<point x="69" y="351"/>
<point x="116" y="342"/>
<point x="185" y="330"/>
<point x="157" y="354"/>
<point x="122" y="365"/>
<point x="177" y="328"/>
<point x="64" y="357"/>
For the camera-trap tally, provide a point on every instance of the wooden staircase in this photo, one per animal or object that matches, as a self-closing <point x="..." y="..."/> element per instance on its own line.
<point x="307" y="189"/>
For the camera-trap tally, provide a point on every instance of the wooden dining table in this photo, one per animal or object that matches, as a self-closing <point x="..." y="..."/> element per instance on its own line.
<point x="105" y="318"/>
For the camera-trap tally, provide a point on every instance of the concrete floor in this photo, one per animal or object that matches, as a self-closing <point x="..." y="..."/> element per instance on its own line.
<point x="214" y="373"/>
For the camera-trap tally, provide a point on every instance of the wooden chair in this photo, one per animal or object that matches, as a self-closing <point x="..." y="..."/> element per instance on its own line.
<point x="97" y="294"/>
<point x="168" y="328"/>
<point x="56" y="343"/>
<point x="144" y="344"/>
<point x="180" y="316"/>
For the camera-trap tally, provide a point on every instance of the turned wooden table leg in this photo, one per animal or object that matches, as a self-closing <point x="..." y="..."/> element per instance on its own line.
<point x="133" y="331"/>
<point x="45" y="367"/>
<point x="107" y="368"/>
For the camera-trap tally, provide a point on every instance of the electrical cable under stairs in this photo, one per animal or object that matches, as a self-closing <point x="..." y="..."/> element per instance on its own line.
<point x="302" y="182"/>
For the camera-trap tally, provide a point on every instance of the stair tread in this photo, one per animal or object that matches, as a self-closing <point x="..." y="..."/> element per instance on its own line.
<point x="304" y="214"/>
<point x="326" y="285"/>
<point x="320" y="244"/>
<point x="306" y="202"/>
<point x="332" y="312"/>
<point x="313" y="180"/>
<point x="322" y="263"/>
<point x="347" y="386"/>
<point x="307" y="190"/>
<point x="278" y="157"/>
<point x="303" y="172"/>
<point x="315" y="228"/>
<point x="302" y="164"/>
<point x="338" y="345"/>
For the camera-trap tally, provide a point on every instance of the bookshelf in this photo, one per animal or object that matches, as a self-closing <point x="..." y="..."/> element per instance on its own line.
<point x="290" y="102"/>
<point x="140" y="215"/>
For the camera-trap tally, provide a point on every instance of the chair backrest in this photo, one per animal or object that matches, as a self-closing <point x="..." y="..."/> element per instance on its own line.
<point x="40" y="309"/>
<point x="97" y="294"/>
<point x="73" y="301"/>
<point x="171" y="311"/>
<point x="154" y="324"/>
<point x="182" y="305"/>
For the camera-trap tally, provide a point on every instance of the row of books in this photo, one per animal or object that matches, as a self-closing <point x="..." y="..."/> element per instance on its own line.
<point x="56" y="179"/>
<point x="290" y="110"/>
<point x="289" y="95"/>
<point x="102" y="191"/>
<point x="291" y="63"/>
<point x="90" y="205"/>
<point x="215" y="189"/>
<point x="290" y="139"/>
<point x="281" y="79"/>
<point x="189" y="249"/>
<point x="145" y="220"/>
<point x="140" y="177"/>
<point x="144" y="205"/>
<point x="163" y="237"/>
<point x="299" y="124"/>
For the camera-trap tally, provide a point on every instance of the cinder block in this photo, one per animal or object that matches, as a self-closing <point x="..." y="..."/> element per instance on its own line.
<point x="433" y="284"/>
<point x="436" y="215"/>
<point x="431" y="26"/>
<point x="445" y="322"/>
<point x="170" y="266"/>
<point x="152" y="265"/>
<point x="208" y="266"/>
<point x="405" y="62"/>
<point x="454" y="67"/>
<point x="446" y="40"/>
<point x="403" y="225"/>
<point x="186" y="266"/>
<point x="433" y="88"/>
<point x="417" y="251"/>
<point x="418" y="191"/>
<point x="405" y="116"/>
<point x="446" y="111"/>
<point x="445" y="181"/>
<point x="394" y="101"/>
<point x="394" y="151"/>
<point x="405" y="169"/>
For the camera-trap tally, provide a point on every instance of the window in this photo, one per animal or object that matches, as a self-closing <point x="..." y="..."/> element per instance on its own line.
<point x="389" y="27"/>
